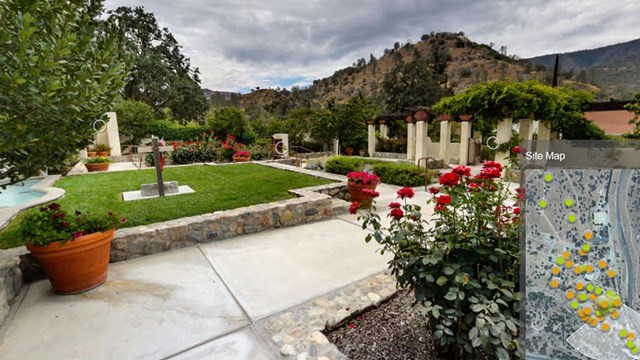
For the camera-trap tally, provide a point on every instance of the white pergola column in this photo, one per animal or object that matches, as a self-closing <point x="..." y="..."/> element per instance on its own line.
<point x="371" y="138"/>
<point x="336" y="146"/>
<point x="445" y="137"/>
<point x="504" y="135"/>
<point x="411" y="138"/>
<point x="526" y="129"/>
<point x="384" y="130"/>
<point x="421" y="144"/>
<point x="465" y="136"/>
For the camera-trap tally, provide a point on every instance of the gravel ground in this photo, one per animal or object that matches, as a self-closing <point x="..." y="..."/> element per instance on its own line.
<point x="393" y="331"/>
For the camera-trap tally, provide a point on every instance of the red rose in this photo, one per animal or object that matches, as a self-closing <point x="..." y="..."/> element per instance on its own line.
<point x="434" y="190"/>
<point x="396" y="214"/>
<point x="521" y="193"/>
<point x="443" y="200"/>
<point x="370" y="193"/>
<point x="492" y="164"/>
<point x="516" y="211"/>
<point x="394" y="205"/>
<point x="462" y="170"/>
<point x="489" y="173"/>
<point x="405" y="192"/>
<point x="354" y="207"/>
<point x="449" y="179"/>
<point x="516" y="150"/>
<point x="438" y="207"/>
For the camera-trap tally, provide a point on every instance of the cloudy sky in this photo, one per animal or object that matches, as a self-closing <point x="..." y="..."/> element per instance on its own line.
<point x="241" y="44"/>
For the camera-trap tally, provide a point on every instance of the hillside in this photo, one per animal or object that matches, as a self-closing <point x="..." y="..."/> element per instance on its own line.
<point x="468" y="63"/>
<point x="615" y="68"/>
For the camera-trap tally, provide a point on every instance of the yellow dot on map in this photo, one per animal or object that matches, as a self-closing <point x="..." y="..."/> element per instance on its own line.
<point x="579" y="286"/>
<point x="598" y="290"/>
<point x="575" y="305"/>
<point x="602" y="264"/>
<point x="569" y="202"/>
<point x="590" y="287"/>
<point x="582" y="297"/>
<point x="630" y="344"/>
<point x="560" y="260"/>
<point x="566" y="254"/>
<point x="542" y="203"/>
<point x="605" y="327"/>
<point x="623" y="333"/>
<point x="588" y="235"/>
<point x="635" y="350"/>
<point x="586" y="247"/>
<point x="569" y="264"/>
<point x="588" y="268"/>
<point x="572" y="218"/>
<point x="554" y="283"/>
<point x="548" y="177"/>
<point x="611" y="273"/>
<point x="555" y="270"/>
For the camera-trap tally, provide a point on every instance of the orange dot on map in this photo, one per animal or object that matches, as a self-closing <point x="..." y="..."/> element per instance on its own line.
<point x="592" y="297"/>
<point x="554" y="283"/>
<point x="604" y="304"/>
<point x="605" y="327"/>
<point x="602" y="264"/>
<point x="582" y="252"/>
<point x="589" y="268"/>
<point x="593" y="322"/>
<point x="579" y="286"/>
<point x="569" y="264"/>
<point x="588" y="235"/>
<point x="555" y="270"/>
<point x="570" y="295"/>
<point x="615" y="315"/>
<point x="577" y="270"/>
<point x="611" y="273"/>
<point x="587" y="311"/>
<point x="617" y="303"/>
<point x="565" y="254"/>
<point x="631" y="336"/>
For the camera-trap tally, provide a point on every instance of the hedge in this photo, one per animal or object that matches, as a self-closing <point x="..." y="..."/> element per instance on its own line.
<point x="401" y="174"/>
<point x="171" y="131"/>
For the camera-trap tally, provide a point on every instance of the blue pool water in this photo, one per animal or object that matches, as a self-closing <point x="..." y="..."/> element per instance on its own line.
<point x="19" y="194"/>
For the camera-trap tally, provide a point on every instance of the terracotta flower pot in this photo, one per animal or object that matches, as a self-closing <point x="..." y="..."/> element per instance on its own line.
<point x="77" y="265"/>
<point x="241" y="159"/>
<point x="348" y="151"/>
<point x="362" y="152"/>
<point x="92" y="167"/>
<point x="103" y="153"/>
<point x="92" y="153"/>
<point x="355" y="192"/>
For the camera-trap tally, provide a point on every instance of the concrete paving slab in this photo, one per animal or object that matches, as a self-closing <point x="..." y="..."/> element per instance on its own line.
<point x="241" y="345"/>
<point x="149" y="308"/>
<point x="275" y="270"/>
<point x="137" y="194"/>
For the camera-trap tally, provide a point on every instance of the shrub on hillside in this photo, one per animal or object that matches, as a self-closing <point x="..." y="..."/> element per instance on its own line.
<point x="172" y="131"/>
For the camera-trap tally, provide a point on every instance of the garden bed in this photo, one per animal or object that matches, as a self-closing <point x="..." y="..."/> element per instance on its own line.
<point x="394" y="330"/>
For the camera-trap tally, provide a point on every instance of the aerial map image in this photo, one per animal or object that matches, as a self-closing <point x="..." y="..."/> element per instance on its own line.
<point x="582" y="263"/>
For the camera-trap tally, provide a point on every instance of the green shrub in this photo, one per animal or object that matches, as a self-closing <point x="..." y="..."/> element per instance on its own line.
<point x="399" y="174"/>
<point x="171" y="131"/>
<point x="259" y="152"/>
<point x="343" y="164"/>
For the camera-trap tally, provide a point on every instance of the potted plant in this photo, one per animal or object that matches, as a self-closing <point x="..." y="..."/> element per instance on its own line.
<point x="92" y="151"/>
<point x="98" y="163"/>
<point x="362" y="152"/>
<point x="241" y="156"/>
<point x="362" y="187"/>
<point x="348" y="151"/>
<point x="72" y="248"/>
<point x="103" y="149"/>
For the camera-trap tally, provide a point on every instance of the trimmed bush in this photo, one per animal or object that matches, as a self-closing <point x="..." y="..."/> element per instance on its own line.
<point x="171" y="131"/>
<point x="343" y="164"/>
<point x="399" y="174"/>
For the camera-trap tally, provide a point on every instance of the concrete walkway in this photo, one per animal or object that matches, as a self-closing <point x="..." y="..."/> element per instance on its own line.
<point x="201" y="302"/>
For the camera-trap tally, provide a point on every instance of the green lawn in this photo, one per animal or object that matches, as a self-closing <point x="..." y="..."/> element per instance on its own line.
<point x="217" y="188"/>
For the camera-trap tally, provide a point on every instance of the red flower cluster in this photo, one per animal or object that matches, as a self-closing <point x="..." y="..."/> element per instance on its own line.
<point x="492" y="164"/>
<point x="521" y="193"/>
<point x="443" y="200"/>
<point x="241" y="154"/>
<point x="516" y="149"/>
<point x="405" y="192"/>
<point x="489" y="173"/>
<point x="370" y="193"/>
<point x="361" y="177"/>
<point x="396" y="214"/>
<point x="516" y="210"/>
<point x="394" y="205"/>
<point x="462" y="170"/>
<point x="353" y="209"/>
<point x="449" y="179"/>
<point x="434" y="190"/>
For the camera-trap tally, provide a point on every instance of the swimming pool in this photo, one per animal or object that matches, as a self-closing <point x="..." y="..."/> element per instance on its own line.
<point x="19" y="193"/>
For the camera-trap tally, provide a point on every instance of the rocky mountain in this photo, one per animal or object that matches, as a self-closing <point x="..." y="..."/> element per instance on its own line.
<point x="614" y="68"/>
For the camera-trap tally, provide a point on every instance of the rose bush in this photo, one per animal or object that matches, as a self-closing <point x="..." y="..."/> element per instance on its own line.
<point x="462" y="264"/>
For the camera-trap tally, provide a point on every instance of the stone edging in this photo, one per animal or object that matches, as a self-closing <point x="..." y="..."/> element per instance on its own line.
<point x="297" y="331"/>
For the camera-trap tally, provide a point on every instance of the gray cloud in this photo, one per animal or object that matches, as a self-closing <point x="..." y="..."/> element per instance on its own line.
<point x="243" y="44"/>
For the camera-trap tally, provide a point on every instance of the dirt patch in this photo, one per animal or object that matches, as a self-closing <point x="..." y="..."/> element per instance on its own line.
<point x="393" y="331"/>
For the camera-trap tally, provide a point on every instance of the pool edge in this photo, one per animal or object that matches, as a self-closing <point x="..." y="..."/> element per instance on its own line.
<point x="50" y="193"/>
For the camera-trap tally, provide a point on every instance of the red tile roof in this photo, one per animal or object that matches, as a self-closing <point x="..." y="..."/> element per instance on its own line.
<point x="612" y="122"/>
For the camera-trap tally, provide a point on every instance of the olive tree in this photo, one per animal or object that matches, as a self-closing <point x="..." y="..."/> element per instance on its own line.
<point x="60" y="69"/>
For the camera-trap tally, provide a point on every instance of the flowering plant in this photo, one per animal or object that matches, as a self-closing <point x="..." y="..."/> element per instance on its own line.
<point x="363" y="178"/>
<point x="244" y="154"/>
<point x="52" y="223"/>
<point x="462" y="263"/>
<point x="97" y="160"/>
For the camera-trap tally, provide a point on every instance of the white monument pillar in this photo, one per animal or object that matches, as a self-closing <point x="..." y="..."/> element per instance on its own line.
<point x="465" y="136"/>
<point x="109" y="134"/>
<point x="411" y="138"/>
<point x="445" y="137"/>
<point x="503" y="135"/>
<point x="336" y="147"/>
<point x="371" y="139"/>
